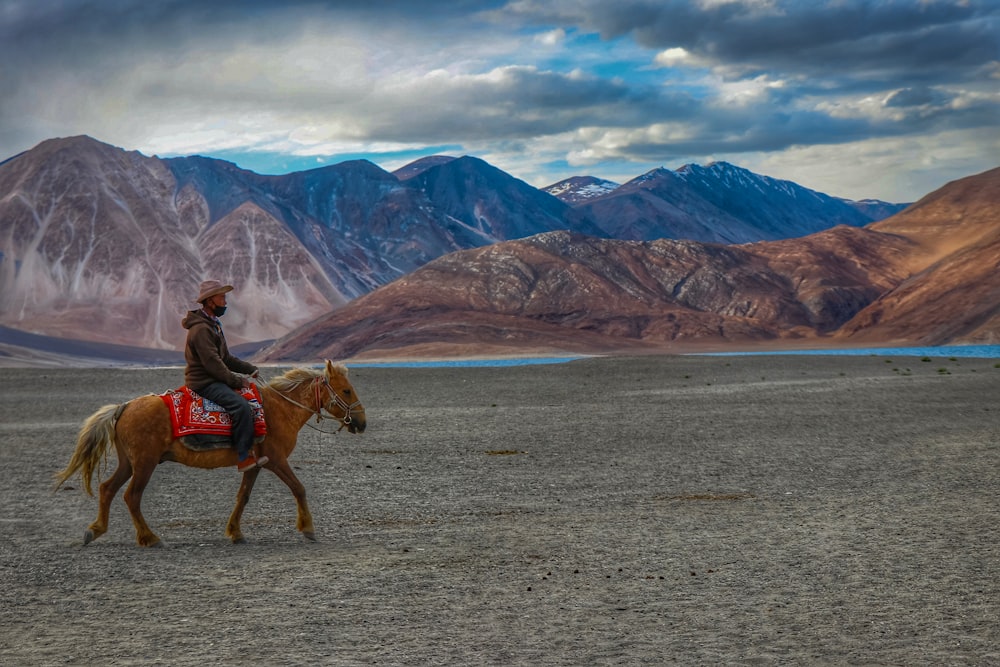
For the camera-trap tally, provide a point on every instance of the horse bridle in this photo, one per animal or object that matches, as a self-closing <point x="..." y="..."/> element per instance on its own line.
<point x="318" y="384"/>
<point x="348" y="408"/>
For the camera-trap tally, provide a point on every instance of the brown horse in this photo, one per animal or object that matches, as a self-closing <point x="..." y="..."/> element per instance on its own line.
<point x="141" y="433"/>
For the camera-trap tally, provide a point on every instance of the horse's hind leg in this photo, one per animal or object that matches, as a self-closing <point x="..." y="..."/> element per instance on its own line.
<point x="141" y="474"/>
<point x="108" y="490"/>
<point x="233" y="531"/>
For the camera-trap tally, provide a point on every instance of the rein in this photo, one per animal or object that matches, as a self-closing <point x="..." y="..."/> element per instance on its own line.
<point x="318" y="384"/>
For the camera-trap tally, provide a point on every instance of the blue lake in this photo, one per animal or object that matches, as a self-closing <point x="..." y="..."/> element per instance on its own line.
<point x="966" y="351"/>
<point x="464" y="363"/>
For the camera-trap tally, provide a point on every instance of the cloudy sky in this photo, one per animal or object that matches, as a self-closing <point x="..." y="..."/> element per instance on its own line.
<point x="887" y="99"/>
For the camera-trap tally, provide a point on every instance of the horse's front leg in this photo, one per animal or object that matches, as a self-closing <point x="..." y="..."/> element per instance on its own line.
<point x="233" y="531"/>
<point x="305" y="520"/>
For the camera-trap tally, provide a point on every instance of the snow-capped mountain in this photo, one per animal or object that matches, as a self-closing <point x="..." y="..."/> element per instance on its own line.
<point x="719" y="203"/>
<point x="578" y="189"/>
<point x="779" y="209"/>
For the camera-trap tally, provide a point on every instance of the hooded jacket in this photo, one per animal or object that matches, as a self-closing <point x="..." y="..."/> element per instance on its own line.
<point x="207" y="355"/>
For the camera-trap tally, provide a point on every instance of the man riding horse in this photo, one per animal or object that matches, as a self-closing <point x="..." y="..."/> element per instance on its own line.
<point x="214" y="373"/>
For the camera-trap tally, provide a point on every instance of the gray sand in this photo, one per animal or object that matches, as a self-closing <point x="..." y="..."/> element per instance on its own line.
<point x="690" y="510"/>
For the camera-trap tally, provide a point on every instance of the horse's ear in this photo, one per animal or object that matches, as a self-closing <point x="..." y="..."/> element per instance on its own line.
<point x="335" y="369"/>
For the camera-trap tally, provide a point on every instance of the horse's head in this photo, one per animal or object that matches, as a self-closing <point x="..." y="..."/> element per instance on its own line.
<point x="342" y="401"/>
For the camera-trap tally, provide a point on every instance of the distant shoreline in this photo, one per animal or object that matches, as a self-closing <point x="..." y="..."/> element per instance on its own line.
<point x="24" y="350"/>
<point x="965" y="351"/>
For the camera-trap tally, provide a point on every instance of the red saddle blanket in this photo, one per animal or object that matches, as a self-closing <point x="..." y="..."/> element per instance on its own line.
<point x="193" y="414"/>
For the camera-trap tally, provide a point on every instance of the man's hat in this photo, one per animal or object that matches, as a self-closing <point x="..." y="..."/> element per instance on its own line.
<point x="210" y="288"/>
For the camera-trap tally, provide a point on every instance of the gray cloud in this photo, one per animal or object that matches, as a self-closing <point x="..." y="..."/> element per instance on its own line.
<point x="906" y="52"/>
<point x="921" y="95"/>
<point x="519" y="102"/>
<point x="849" y="36"/>
<point x="315" y="76"/>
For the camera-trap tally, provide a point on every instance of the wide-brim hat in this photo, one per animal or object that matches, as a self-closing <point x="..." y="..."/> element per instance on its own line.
<point x="210" y="288"/>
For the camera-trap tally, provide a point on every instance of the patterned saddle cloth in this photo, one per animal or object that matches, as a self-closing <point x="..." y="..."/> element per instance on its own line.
<point x="202" y="424"/>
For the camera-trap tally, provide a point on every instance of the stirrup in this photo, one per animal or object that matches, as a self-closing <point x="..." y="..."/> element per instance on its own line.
<point x="251" y="462"/>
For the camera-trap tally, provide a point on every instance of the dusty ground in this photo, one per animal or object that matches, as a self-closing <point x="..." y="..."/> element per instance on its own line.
<point x="690" y="510"/>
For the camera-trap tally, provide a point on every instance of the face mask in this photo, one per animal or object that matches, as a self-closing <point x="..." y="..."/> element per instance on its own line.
<point x="219" y="311"/>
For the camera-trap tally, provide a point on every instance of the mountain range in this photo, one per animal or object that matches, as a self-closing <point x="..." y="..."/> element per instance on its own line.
<point x="103" y="245"/>
<point x="719" y="203"/>
<point x="925" y="276"/>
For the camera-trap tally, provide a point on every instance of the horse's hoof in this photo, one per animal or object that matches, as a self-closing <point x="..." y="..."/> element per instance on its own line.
<point x="88" y="537"/>
<point x="156" y="545"/>
<point x="239" y="540"/>
<point x="311" y="536"/>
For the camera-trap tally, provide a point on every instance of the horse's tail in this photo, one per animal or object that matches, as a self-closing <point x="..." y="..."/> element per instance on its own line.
<point x="96" y="437"/>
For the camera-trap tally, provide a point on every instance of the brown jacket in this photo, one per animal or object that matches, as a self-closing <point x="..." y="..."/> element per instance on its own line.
<point x="207" y="355"/>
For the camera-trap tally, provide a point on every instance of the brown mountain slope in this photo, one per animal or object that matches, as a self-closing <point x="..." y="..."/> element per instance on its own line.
<point x="951" y="218"/>
<point x="555" y="291"/>
<point x="572" y="293"/>
<point x="955" y="301"/>
<point x="953" y="295"/>
<point x="839" y="271"/>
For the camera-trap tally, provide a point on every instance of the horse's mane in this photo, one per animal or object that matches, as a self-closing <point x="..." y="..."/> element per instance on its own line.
<point x="296" y="376"/>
